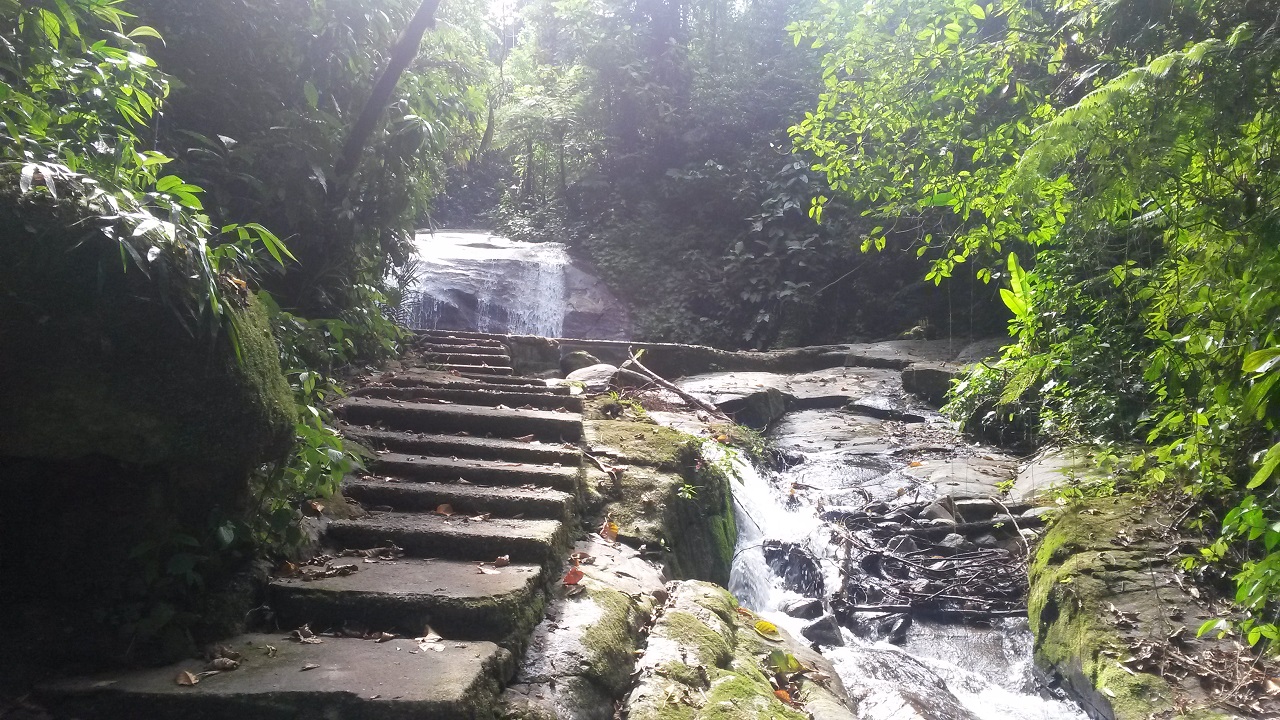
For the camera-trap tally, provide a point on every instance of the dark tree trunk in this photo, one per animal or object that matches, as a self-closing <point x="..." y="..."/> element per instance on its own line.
<point x="401" y="57"/>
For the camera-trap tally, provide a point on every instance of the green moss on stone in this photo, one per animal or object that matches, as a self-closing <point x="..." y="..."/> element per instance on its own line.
<point x="703" y="644"/>
<point x="609" y="644"/>
<point x="638" y="443"/>
<point x="1067" y="606"/>
<point x="740" y="697"/>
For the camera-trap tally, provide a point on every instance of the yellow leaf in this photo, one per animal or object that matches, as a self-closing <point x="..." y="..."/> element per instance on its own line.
<point x="767" y="630"/>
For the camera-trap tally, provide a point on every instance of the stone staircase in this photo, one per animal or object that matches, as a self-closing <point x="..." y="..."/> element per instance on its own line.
<point x="498" y="450"/>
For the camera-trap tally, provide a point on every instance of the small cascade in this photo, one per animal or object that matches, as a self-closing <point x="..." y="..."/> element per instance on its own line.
<point x="942" y="672"/>
<point x="480" y="282"/>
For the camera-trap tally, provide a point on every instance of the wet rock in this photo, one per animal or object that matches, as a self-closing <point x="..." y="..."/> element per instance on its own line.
<point x="930" y="381"/>
<point x="884" y="407"/>
<point x="957" y="542"/>
<point x="577" y="360"/>
<point x="987" y="541"/>
<point x="940" y="510"/>
<point x="902" y="545"/>
<point x="596" y="378"/>
<point x="824" y="631"/>
<point x="805" y="608"/>
<point x="798" y="569"/>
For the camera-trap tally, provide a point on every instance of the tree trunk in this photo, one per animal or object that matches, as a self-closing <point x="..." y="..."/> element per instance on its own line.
<point x="401" y="57"/>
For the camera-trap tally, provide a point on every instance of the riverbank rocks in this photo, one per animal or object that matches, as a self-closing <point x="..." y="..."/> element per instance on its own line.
<point x="1103" y="589"/>
<point x="930" y="381"/>
<point x="664" y="496"/>
<point x="705" y="660"/>
<point x="582" y="655"/>
<point x="577" y="360"/>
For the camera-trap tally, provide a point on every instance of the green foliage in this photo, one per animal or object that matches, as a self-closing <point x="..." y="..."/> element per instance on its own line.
<point x="266" y="95"/>
<point x="1130" y="165"/>
<point x="652" y="138"/>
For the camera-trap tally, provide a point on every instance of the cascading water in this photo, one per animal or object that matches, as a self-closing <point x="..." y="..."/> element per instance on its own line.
<point x="477" y="281"/>
<point x="943" y="672"/>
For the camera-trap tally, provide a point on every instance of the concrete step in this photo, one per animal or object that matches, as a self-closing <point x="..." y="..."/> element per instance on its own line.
<point x="438" y="335"/>
<point x="479" y="472"/>
<point x="505" y="502"/>
<point x="422" y="417"/>
<point x="481" y="371"/>
<point x="336" y="679"/>
<point x="510" y="380"/>
<point x="454" y="538"/>
<point x="455" y="598"/>
<point x="523" y="385"/>
<point x="463" y="446"/>
<point x="462" y="346"/>
<point x="509" y="396"/>
<point x="460" y="359"/>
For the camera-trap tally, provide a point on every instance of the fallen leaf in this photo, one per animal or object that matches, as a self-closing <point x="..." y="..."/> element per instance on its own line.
<point x="573" y="577"/>
<point x="783" y="695"/>
<point x="446" y="510"/>
<point x="309" y="666"/>
<point x="482" y="570"/>
<point x="502" y="561"/>
<point x="745" y="613"/>
<point x="767" y="630"/>
<point x="222" y="663"/>
<point x="525" y="438"/>
<point x="186" y="678"/>
<point x="383" y="637"/>
<point x="609" y="530"/>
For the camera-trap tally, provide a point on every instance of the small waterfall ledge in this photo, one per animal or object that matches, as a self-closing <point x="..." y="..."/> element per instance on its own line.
<point x="475" y="281"/>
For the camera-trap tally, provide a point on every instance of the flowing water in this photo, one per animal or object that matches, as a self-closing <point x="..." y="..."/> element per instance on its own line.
<point x="478" y="281"/>
<point x="942" y="672"/>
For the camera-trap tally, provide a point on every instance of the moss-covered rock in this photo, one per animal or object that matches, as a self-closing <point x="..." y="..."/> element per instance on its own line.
<point x="100" y="360"/>
<point x="668" y="497"/>
<point x="704" y="662"/>
<point x="1099" y="580"/>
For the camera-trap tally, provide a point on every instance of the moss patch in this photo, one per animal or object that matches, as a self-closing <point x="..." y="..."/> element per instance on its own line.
<point x="1077" y="574"/>
<point x="610" y="642"/>
<point x="637" y="443"/>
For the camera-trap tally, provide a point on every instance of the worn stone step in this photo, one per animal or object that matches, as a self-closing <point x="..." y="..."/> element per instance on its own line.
<point x="463" y="346"/>
<point x="437" y="335"/>
<point x="459" y="396"/>
<point x="480" y="472"/>
<point x="423" y="417"/>
<point x="455" y="598"/>
<point x="460" y="359"/>
<point x="524" y="385"/>
<point x="506" y="502"/>
<point x="454" y="538"/>
<point x="480" y="371"/>
<point x="351" y="680"/>
<point x="510" y="380"/>
<point x="463" y="446"/>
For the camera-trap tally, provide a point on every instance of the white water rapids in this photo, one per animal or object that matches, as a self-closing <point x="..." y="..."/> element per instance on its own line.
<point x="944" y="672"/>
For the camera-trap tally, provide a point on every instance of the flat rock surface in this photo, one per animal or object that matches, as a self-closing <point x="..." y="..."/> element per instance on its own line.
<point x="455" y="537"/>
<point x="416" y="576"/>
<point x="402" y="679"/>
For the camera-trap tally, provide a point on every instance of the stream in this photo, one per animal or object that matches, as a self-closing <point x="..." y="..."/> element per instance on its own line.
<point x="942" y="671"/>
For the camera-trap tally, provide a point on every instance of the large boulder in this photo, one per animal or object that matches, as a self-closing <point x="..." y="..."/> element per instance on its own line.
<point x="100" y="360"/>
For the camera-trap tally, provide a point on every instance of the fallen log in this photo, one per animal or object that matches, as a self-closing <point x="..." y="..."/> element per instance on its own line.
<point x="665" y="385"/>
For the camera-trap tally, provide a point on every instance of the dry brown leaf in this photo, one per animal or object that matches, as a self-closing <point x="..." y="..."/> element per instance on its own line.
<point x="482" y="570"/>
<point x="502" y="561"/>
<point x="383" y="637"/>
<point x="446" y="510"/>
<point x="222" y="663"/>
<point x="186" y="678"/>
<point x="573" y="577"/>
<point x="309" y="666"/>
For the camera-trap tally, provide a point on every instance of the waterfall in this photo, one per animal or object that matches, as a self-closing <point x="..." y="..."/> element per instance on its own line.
<point x="477" y="281"/>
